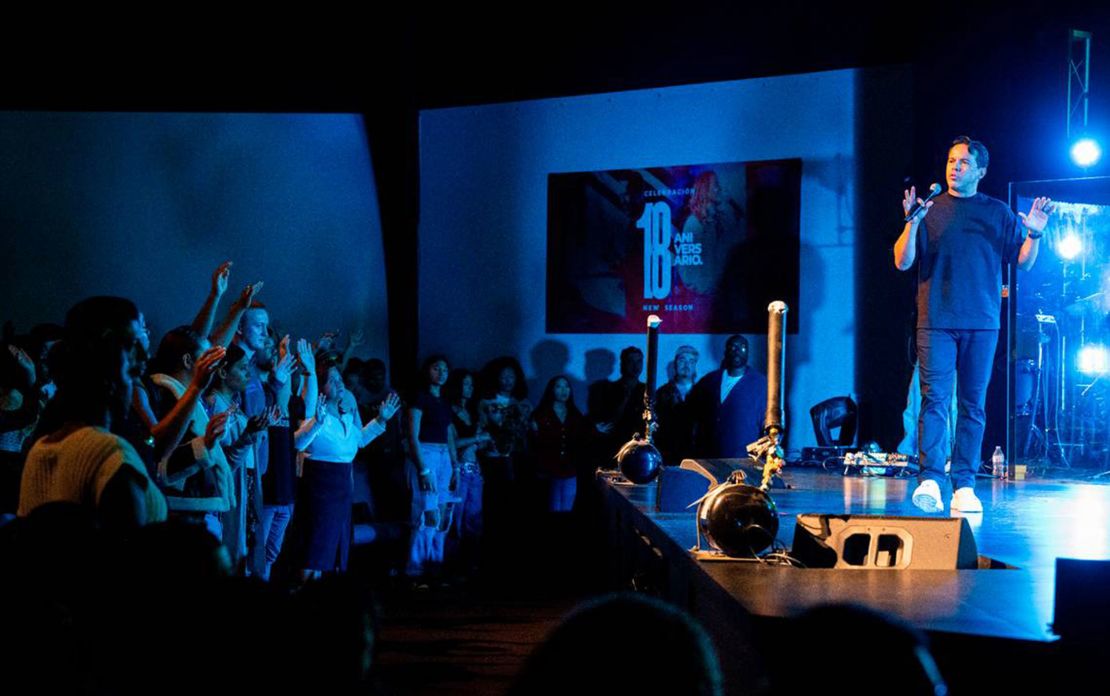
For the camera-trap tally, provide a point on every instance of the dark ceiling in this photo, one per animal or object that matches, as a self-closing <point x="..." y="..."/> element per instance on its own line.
<point x="428" y="56"/>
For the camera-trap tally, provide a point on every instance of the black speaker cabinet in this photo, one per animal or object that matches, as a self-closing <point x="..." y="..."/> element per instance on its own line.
<point x="680" y="488"/>
<point x="1082" y="602"/>
<point x="876" y="542"/>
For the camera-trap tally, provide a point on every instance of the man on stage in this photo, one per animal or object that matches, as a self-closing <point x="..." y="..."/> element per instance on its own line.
<point x="960" y="242"/>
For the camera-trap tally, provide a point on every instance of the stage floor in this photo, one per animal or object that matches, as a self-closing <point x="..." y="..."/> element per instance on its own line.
<point x="1027" y="524"/>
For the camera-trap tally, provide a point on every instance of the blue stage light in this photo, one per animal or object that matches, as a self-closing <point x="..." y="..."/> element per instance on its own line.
<point x="1069" y="246"/>
<point x="1086" y="152"/>
<point x="1094" y="360"/>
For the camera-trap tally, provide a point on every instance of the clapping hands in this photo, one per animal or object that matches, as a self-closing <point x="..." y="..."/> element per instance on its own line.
<point x="305" y="357"/>
<point x="285" y="363"/>
<point x="217" y="426"/>
<point x="268" y="418"/>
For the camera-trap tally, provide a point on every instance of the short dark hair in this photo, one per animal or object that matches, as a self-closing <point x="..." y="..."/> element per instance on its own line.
<point x="629" y="351"/>
<point x="325" y="360"/>
<point x="86" y="362"/>
<point x="739" y="338"/>
<point x="354" y="365"/>
<point x="232" y="355"/>
<point x="255" y="304"/>
<point x="982" y="157"/>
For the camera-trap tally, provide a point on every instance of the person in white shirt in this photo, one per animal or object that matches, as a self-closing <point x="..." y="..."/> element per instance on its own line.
<point x="329" y="440"/>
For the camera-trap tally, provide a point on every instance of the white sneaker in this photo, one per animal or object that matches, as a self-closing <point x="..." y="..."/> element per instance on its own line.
<point x="927" y="497"/>
<point x="965" y="500"/>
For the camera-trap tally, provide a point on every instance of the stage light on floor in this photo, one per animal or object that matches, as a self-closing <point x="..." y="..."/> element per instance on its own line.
<point x="739" y="520"/>
<point x="1086" y="152"/>
<point x="1093" y="360"/>
<point x="1069" y="246"/>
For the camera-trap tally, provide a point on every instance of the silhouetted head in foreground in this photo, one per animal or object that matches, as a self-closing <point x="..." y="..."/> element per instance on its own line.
<point x="892" y="657"/>
<point x="623" y="644"/>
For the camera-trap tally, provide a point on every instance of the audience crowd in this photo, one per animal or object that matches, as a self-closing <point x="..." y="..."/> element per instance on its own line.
<point x="158" y="496"/>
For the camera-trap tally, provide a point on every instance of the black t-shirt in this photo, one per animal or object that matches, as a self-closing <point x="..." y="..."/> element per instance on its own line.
<point x="279" y="484"/>
<point x="961" y="246"/>
<point x="435" y="417"/>
<point x="462" y="428"/>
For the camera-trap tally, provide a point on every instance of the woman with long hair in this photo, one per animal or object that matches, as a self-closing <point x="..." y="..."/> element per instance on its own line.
<point x="556" y="428"/>
<point x="225" y="400"/>
<point x="503" y="413"/>
<point x="469" y="439"/>
<point x="504" y="410"/>
<point x="432" y="469"/>
<point x="195" y="477"/>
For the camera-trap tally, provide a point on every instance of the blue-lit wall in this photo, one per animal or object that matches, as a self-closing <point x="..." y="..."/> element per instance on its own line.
<point x="147" y="205"/>
<point x="483" y="218"/>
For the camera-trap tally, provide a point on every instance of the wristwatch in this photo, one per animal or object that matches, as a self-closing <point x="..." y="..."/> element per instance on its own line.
<point x="1035" y="235"/>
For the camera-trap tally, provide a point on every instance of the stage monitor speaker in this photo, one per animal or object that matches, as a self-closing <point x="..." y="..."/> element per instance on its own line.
<point x="1082" y="602"/>
<point x="876" y="542"/>
<point x="679" y="489"/>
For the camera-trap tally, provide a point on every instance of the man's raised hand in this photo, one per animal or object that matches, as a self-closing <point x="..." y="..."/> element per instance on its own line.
<point x="908" y="198"/>
<point x="1037" y="217"/>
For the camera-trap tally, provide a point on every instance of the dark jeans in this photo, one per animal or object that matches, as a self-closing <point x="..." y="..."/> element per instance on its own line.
<point x="959" y="359"/>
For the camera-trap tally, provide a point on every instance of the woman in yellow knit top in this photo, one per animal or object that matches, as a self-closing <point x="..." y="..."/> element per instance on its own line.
<point x="79" y="460"/>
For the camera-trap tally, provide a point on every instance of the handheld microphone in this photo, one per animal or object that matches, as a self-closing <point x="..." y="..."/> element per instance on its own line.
<point x="934" y="191"/>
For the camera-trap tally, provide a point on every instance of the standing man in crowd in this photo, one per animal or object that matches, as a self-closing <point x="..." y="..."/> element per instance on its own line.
<point x="675" y="437"/>
<point x="729" y="405"/>
<point x="616" y="409"/>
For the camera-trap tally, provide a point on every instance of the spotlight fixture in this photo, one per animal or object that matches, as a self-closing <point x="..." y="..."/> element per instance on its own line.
<point x="1086" y="152"/>
<point x="1069" y="246"/>
<point x="1093" y="360"/>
